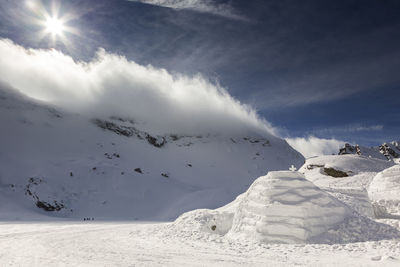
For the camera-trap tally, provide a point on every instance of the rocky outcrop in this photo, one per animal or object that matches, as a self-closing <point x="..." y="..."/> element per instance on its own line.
<point x="349" y="149"/>
<point x="387" y="151"/>
<point x="47" y="206"/>
<point x="129" y="131"/>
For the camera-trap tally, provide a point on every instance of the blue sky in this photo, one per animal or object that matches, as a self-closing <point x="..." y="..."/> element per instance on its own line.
<point x="328" y="69"/>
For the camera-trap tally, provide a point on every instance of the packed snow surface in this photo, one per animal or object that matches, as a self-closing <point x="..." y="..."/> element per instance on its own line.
<point x="134" y="244"/>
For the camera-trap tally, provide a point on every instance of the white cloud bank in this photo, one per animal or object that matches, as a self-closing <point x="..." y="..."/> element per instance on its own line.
<point x="205" y="6"/>
<point x="112" y="85"/>
<point x="314" y="146"/>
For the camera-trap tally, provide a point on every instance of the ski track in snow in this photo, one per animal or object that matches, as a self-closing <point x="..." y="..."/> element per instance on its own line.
<point x="128" y="244"/>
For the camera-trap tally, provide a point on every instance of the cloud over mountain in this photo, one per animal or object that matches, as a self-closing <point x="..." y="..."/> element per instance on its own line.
<point x="112" y="85"/>
<point x="314" y="146"/>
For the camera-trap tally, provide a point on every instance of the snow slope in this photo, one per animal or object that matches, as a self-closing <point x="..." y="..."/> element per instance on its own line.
<point x="351" y="164"/>
<point x="352" y="189"/>
<point x="59" y="164"/>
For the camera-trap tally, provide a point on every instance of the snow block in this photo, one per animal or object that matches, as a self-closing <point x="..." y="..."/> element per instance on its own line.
<point x="384" y="191"/>
<point x="284" y="207"/>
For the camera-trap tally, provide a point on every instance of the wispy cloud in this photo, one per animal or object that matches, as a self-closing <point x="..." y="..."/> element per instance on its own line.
<point x="349" y="128"/>
<point x="329" y="83"/>
<point x="205" y="6"/>
<point x="314" y="146"/>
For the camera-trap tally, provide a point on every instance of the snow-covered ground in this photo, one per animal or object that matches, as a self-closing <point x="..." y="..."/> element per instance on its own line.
<point x="58" y="168"/>
<point x="192" y="239"/>
<point x="128" y="244"/>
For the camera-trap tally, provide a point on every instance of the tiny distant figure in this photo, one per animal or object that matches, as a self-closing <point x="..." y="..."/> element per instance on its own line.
<point x="84" y="219"/>
<point x="92" y="219"/>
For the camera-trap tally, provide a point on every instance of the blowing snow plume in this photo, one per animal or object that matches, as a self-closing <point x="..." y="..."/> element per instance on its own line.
<point x="112" y="85"/>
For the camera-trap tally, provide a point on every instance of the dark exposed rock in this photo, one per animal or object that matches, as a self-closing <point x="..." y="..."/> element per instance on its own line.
<point x="55" y="206"/>
<point x="335" y="173"/>
<point x="54" y="113"/>
<point x="349" y="149"/>
<point x="388" y="152"/>
<point x="129" y="131"/>
<point x="157" y="142"/>
<point x="312" y="166"/>
<point x="265" y="142"/>
<point x="139" y="170"/>
<point x="49" y="207"/>
<point x="166" y="175"/>
<point x="110" y="126"/>
<point x="112" y="156"/>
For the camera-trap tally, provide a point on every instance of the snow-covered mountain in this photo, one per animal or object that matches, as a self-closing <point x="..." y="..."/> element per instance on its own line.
<point x="61" y="164"/>
<point x="390" y="150"/>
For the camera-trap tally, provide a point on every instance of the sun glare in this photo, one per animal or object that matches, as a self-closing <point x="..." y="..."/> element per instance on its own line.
<point x="52" y="20"/>
<point x="54" y="26"/>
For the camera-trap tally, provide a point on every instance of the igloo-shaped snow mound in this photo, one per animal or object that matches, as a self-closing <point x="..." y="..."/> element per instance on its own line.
<point x="386" y="185"/>
<point x="284" y="207"/>
<point x="384" y="191"/>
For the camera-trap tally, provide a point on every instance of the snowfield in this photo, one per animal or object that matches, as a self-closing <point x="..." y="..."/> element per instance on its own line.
<point x="322" y="226"/>
<point x="128" y="244"/>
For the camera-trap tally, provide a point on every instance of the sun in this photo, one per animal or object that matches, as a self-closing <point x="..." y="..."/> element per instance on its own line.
<point x="54" y="26"/>
<point x="52" y="21"/>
